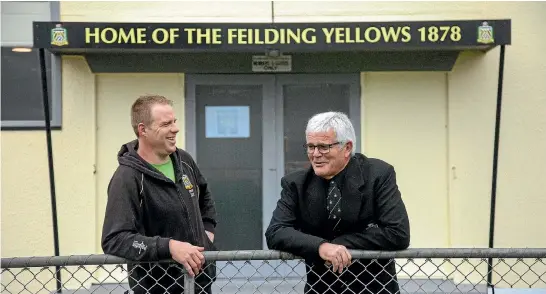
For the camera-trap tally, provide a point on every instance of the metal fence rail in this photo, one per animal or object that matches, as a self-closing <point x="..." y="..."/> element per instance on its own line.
<point x="514" y="270"/>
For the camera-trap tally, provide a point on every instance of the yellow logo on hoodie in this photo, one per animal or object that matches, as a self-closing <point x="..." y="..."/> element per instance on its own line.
<point x="187" y="183"/>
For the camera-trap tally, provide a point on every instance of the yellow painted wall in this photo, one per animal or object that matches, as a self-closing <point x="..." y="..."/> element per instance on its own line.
<point x="470" y="93"/>
<point x="167" y="11"/>
<point x="405" y="117"/>
<point x="26" y="208"/>
<point x="522" y="160"/>
<point x="521" y="196"/>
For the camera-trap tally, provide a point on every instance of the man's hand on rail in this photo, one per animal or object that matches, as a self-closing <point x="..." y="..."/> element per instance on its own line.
<point x="190" y="256"/>
<point x="337" y="255"/>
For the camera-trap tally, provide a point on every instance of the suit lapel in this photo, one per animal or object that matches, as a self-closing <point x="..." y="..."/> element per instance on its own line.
<point x="351" y="194"/>
<point x="316" y="201"/>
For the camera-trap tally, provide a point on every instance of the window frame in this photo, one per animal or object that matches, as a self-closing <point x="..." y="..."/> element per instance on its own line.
<point x="56" y="86"/>
<point x="55" y="100"/>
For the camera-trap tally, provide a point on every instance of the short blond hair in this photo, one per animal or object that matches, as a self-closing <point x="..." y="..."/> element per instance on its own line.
<point x="141" y="111"/>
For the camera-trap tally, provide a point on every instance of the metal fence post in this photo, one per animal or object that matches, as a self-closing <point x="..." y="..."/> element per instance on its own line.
<point x="189" y="284"/>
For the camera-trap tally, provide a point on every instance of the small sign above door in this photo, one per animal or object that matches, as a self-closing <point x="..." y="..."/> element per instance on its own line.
<point x="263" y="63"/>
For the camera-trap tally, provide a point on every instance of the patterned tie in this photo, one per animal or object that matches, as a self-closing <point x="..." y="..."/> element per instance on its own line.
<point x="334" y="204"/>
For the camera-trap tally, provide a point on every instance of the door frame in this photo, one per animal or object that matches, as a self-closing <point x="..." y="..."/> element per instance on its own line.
<point x="272" y="110"/>
<point x="269" y="171"/>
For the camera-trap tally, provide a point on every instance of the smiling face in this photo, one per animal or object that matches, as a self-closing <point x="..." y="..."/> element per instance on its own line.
<point x="327" y="158"/>
<point x="160" y="134"/>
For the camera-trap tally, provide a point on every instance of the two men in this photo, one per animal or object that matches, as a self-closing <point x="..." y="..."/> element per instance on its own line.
<point x="344" y="201"/>
<point x="159" y="207"/>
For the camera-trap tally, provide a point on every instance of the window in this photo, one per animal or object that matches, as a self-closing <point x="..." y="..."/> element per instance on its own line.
<point x="22" y="101"/>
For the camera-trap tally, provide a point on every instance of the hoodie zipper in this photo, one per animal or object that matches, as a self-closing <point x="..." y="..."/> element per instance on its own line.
<point x="186" y="209"/>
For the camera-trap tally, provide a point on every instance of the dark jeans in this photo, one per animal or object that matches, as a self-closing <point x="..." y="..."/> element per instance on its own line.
<point x="362" y="277"/>
<point x="168" y="278"/>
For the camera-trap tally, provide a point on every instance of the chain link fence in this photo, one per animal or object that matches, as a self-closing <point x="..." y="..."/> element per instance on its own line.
<point x="409" y="271"/>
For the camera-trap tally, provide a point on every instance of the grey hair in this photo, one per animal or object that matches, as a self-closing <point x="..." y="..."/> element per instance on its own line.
<point x="338" y="121"/>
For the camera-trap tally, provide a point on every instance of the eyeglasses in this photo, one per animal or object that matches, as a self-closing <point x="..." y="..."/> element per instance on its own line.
<point x="322" y="148"/>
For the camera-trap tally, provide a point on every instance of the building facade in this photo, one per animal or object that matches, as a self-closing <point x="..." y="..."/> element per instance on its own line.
<point x="430" y="114"/>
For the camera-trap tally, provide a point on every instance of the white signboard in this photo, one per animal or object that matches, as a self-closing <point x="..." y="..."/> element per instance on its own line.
<point x="261" y="63"/>
<point x="227" y="121"/>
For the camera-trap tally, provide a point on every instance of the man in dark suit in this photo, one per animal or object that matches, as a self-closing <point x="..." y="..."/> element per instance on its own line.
<point x="344" y="201"/>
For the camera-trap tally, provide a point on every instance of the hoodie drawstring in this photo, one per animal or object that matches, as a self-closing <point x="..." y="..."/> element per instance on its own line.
<point x="141" y="188"/>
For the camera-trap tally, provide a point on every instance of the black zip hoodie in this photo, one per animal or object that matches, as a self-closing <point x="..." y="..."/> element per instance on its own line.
<point x="145" y="209"/>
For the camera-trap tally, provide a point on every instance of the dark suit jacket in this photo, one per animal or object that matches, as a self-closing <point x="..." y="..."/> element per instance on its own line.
<point x="373" y="217"/>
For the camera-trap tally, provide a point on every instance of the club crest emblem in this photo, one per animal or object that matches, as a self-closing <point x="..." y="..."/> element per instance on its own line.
<point x="486" y="34"/>
<point x="59" y="36"/>
<point x="188" y="185"/>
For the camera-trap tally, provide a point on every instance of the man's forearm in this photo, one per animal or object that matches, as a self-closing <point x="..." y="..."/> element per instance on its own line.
<point x="294" y="241"/>
<point x="375" y="238"/>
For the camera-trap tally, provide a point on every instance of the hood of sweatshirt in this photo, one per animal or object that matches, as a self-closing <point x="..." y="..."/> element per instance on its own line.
<point x="128" y="156"/>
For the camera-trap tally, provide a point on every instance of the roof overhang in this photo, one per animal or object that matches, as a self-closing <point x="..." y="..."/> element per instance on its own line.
<point x="271" y="38"/>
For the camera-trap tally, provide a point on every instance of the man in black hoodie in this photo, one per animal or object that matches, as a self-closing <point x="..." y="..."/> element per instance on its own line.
<point x="159" y="206"/>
